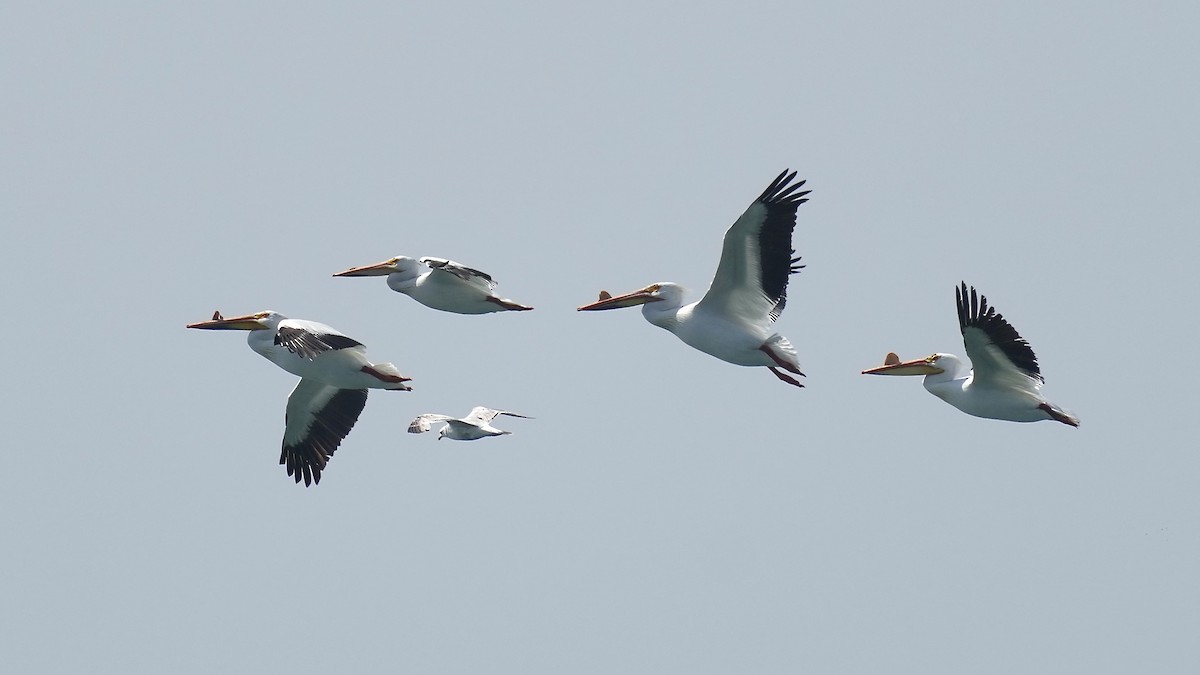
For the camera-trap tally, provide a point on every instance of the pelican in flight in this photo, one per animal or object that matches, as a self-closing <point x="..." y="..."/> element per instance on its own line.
<point x="1006" y="381"/>
<point x="733" y="320"/>
<point x="334" y="378"/>
<point x="440" y="284"/>
<point x="476" y="425"/>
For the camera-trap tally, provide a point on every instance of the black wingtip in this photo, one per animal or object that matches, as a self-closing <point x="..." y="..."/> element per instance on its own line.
<point x="974" y="311"/>
<point x="778" y="256"/>
<point x="779" y="191"/>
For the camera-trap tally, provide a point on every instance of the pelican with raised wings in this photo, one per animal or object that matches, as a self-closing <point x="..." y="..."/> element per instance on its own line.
<point x="334" y="378"/>
<point x="1006" y="381"/>
<point x="476" y="425"/>
<point x="733" y="320"/>
<point x="440" y="284"/>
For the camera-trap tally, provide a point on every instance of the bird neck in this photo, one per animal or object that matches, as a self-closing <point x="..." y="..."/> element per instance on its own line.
<point x="945" y="387"/>
<point x="951" y="382"/>
<point x="666" y="317"/>
<point x="403" y="282"/>
<point x="261" y="341"/>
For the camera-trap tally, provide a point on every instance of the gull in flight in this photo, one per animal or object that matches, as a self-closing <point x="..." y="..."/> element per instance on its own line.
<point x="476" y="425"/>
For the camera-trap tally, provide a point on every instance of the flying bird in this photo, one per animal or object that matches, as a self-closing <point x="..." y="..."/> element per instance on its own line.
<point x="476" y="425"/>
<point x="440" y="284"/>
<point x="1006" y="381"/>
<point x="733" y="321"/>
<point x="334" y="378"/>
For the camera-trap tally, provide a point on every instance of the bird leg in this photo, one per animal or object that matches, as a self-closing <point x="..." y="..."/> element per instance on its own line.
<point x="1057" y="416"/>
<point x="511" y="306"/>
<point x="385" y="377"/>
<point x="786" y="378"/>
<point x="782" y="364"/>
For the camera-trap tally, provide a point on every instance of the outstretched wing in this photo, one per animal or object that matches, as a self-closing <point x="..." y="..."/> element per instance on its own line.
<point x="318" y="418"/>
<point x="999" y="355"/>
<point x="423" y="422"/>
<point x="482" y="415"/>
<point x="757" y="256"/>
<point x="468" y="274"/>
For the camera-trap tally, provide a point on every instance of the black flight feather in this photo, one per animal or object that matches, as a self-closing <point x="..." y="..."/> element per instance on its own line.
<point x="775" y="237"/>
<point x="330" y="425"/>
<point x="974" y="312"/>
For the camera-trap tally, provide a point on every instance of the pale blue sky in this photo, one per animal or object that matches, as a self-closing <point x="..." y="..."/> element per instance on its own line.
<point x="665" y="511"/>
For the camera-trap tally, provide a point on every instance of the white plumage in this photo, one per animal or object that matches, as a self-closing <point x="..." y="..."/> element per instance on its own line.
<point x="440" y="284"/>
<point x="335" y="376"/>
<point x="1006" y="381"/>
<point x="476" y="425"/>
<point x="734" y="320"/>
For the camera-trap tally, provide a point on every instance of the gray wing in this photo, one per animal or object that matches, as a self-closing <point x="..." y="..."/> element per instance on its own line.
<point x="421" y="424"/>
<point x="468" y="274"/>
<point x="485" y="415"/>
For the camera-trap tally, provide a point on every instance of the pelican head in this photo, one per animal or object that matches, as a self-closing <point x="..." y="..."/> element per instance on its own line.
<point x="662" y="291"/>
<point x="934" y="364"/>
<point x="266" y="320"/>
<point x="398" y="265"/>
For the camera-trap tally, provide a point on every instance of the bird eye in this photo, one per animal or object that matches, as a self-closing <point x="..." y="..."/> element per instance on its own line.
<point x="652" y="288"/>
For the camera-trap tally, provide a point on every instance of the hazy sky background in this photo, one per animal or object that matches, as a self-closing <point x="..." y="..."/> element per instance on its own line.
<point x="665" y="511"/>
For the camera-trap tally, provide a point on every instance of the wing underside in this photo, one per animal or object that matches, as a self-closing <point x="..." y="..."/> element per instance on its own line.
<point x="318" y="418"/>
<point x="757" y="258"/>
<point x="423" y="422"/>
<point x="998" y="353"/>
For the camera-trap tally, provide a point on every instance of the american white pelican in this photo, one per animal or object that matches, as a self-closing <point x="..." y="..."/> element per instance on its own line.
<point x="334" y="378"/>
<point x="1006" y="381"/>
<point x="440" y="284"/>
<point x="733" y="320"/>
<point x="477" y="424"/>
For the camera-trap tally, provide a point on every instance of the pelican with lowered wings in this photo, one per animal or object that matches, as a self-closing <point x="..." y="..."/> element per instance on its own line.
<point x="733" y="320"/>
<point x="334" y="378"/>
<point x="1006" y="381"/>
<point x="440" y="284"/>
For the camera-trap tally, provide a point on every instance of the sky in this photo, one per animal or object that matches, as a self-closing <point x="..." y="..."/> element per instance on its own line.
<point x="663" y="511"/>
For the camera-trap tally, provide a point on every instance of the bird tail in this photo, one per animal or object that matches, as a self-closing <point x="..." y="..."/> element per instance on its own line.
<point x="1060" y="415"/>
<point x="390" y="374"/>
<point x="782" y="352"/>
<point x="507" y="304"/>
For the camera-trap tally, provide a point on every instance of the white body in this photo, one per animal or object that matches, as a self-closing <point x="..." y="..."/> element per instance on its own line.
<point x="457" y="430"/>
<point x="728" y="337"/>
<point x="1016" y="398"/>
<point x="340" y="368"/>
<point x="440" y="290"/>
